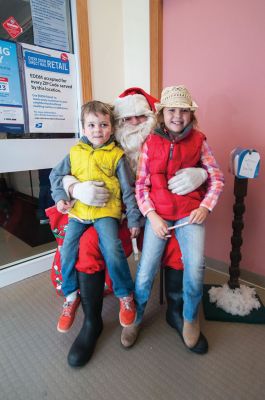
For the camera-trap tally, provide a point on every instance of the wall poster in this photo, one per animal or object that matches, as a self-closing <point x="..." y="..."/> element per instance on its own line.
<point x="11" y="111"/>
<point x="50" y="90"/>
<point x="50" y="23"/>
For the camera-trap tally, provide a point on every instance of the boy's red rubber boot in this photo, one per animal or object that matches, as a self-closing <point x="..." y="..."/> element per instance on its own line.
<point x="68" y="315"/>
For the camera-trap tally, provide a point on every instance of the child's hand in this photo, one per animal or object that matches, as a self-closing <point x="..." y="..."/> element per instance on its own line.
<point x="63" y="206"/>
<point x="134" y="232"/>
<point x="199" y="215"/>
<point x="159" y="226"/>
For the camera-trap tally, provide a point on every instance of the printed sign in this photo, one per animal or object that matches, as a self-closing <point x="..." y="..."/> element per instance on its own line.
<point x="245" y="163"/>
<point x="4" y="86"/>
<point x="50" y="24"/>
<point x="12" y="27"/>
<point x="11" y="111"/>
<point x="249" y="164"/>
<point x="50" y="84"/>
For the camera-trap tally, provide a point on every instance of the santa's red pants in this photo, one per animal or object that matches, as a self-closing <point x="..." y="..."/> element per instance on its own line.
<point x="90" y="259"/>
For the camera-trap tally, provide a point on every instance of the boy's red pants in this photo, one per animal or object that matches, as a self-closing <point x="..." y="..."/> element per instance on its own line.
<point x="90" y="259"/>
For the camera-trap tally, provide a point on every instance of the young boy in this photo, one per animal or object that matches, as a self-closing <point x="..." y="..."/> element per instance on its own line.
<point x="97" y="158"/>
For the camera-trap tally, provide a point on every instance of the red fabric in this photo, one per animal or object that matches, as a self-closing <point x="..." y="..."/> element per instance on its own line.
<point x="172" y="255"/>
<point x="58" y="223"/>
<point x="90" y="259"/>
<point x="135" y="90"/>
<point x="165" y="158"/>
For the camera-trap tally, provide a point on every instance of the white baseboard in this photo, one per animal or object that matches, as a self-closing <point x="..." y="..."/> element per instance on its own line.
<point x="245" y="275"/>
<point x="25" y="269"/>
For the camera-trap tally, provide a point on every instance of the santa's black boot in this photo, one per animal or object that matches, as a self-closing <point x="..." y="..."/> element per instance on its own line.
<point x="174" y="314"/>
<point x="91" y="292"/>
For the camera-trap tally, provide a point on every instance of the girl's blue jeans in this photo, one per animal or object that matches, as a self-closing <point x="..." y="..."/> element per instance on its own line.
<point x="111" y="248"/>
<point x="191" y="242"/>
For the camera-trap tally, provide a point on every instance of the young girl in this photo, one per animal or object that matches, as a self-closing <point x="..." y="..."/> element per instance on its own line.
<point x="175" y="144"/>
<point x="97" y="158"/>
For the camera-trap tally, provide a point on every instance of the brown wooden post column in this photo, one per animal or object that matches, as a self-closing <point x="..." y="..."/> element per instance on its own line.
<point x="240" y="191"/>
<point x="84" y="49"/>
<point x="156" y="47"/>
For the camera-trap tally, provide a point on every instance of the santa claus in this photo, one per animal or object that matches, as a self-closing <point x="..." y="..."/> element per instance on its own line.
<point x="134" y="112"/>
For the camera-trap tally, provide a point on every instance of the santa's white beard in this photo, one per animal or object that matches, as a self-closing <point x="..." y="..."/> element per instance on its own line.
<point x="132" y="137"/>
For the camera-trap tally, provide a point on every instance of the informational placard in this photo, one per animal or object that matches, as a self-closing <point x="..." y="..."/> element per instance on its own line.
<point x="50" y="90"/>
<point x="249" y="165"/>
<point x="245" y="163"/>
<point x="11" y="111"/>
<point x="50" y="26"/>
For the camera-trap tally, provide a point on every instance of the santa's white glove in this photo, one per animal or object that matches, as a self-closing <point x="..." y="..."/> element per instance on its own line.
<point x="186" y="180"/>
<point x="69" y="180"/>
<point x="92" y="193"/>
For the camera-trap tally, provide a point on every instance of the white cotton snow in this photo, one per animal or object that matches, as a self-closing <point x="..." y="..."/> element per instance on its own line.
<point x="240" y="301"/>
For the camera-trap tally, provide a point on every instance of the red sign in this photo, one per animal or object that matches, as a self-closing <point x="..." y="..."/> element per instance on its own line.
<point x="64" y="57"/>
<point x="12" y="27"/>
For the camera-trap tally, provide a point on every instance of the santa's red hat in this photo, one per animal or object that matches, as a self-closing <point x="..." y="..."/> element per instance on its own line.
<point x="136" y="90"/>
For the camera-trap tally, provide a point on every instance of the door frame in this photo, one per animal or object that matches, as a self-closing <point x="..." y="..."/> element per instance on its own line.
<point x="156" y="46"/>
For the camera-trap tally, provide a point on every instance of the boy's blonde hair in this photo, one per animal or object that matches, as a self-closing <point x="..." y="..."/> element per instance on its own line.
<point x="96" y="107"/>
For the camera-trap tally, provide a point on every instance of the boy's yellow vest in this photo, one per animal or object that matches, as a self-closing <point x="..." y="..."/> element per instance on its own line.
<point x="89" y="164"/>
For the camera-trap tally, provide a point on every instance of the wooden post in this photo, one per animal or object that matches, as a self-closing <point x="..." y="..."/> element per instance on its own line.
<point x="156" y="47"/>
<point x="84" y="49"/>
<point x="240" y="191"/>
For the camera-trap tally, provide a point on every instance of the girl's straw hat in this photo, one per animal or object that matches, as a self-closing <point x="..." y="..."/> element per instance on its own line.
<point x="176" y="96"/>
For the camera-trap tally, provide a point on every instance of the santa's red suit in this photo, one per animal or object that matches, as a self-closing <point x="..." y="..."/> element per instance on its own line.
<point x="90" y="259"/>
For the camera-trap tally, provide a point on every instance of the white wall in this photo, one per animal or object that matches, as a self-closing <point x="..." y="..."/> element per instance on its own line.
<point x="106" y="48"/>
<point x="29" y="154"/>
<point x="136" y="44"/>
<point x="119" y="46"/>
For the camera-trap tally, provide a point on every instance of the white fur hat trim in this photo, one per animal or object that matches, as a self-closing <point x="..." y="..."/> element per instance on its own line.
<point x="132" y="105"/>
